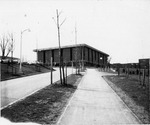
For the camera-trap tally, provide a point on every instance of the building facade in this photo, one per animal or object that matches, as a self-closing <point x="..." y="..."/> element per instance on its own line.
<point x="81" y="53"/>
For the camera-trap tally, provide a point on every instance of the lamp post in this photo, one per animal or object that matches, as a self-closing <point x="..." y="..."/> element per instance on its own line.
<point x="101" y="59"/>
<point x="20" y="69"/>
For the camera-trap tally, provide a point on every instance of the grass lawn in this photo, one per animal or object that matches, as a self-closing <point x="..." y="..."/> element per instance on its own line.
<point x="12" y="71"/>
<point x="45" y="106"/>
<point x="135" y="96"/>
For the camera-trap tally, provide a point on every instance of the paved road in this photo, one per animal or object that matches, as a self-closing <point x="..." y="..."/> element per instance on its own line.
<point x="95" y="103"/>
<point x="13" y="90"/>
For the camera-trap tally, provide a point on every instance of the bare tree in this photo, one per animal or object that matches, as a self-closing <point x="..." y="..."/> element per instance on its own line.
<point x="11" y="47"/>
<point x="4" y="45"/>
<point x="11" y="44"/>
<point x="7" y="45"/>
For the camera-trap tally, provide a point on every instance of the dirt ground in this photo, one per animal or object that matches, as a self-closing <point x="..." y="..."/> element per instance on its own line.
<point x="45" y="106"/>
<point x="134" y="95"/>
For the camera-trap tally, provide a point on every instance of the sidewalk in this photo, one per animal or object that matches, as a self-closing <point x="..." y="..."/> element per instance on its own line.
<point x="95" y="103"/>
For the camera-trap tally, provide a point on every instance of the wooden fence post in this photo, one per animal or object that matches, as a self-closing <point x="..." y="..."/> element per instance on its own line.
<point x="51" y="70"/>
<point x="66" y="73"/>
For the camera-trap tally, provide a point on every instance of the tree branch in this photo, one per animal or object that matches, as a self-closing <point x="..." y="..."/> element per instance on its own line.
<point x="63" y="22"/>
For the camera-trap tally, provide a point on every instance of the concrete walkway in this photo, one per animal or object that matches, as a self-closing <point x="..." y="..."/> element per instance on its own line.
<point x="95" y="103"/>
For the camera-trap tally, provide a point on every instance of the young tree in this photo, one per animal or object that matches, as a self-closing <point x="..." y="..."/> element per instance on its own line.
<point x="11" y="44"/>
<point x="108" y="62"/>
<point x="12" y="47"/>
<point x="61" y="65"/>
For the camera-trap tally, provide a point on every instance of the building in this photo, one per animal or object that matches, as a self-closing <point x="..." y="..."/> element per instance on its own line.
<point x="144" y="63"/>
<point x="81" y="53"/>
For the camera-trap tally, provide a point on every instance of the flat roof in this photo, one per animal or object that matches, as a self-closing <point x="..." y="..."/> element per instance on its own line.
<point x="145" y="59"/>
<point x="69" y="46"/>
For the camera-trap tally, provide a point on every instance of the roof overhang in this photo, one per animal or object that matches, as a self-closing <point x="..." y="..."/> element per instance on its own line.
<point x="69" y="46"/>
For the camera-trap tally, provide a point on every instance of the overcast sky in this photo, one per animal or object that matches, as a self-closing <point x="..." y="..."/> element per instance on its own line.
<point x="120" y="28"/>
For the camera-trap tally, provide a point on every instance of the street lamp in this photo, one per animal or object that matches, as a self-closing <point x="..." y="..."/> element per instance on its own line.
<point x="101" y="59"/>
<point x="21" y="48"/>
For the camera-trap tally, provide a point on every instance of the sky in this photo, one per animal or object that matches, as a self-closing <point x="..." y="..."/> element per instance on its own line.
<point x="120" y="28"/>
